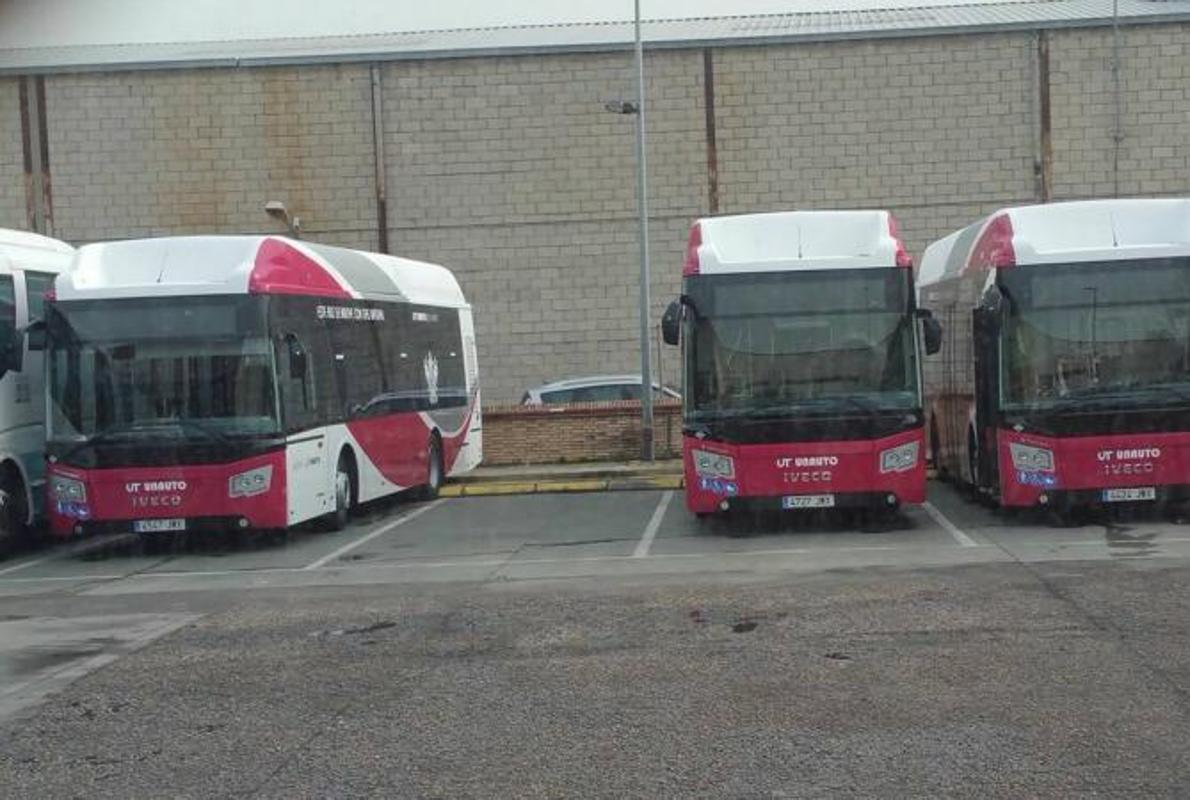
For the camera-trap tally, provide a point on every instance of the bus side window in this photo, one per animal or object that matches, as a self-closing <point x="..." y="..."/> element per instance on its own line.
<point x="9" y="341"/>
<point x="299" y="370"/>
<point x="297" y="379"/>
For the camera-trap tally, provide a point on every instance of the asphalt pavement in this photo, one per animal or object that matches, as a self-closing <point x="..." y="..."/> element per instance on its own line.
<point x="605" y="644"/>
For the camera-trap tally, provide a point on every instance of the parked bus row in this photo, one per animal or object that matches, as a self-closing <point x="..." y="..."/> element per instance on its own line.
<point x="1062" y="378"/>
<point x="1039" y="357"/>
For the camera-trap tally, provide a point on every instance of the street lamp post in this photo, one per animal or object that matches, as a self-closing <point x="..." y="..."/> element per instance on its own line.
<point x="637" y="109"/>
<point x="642" y="205"/>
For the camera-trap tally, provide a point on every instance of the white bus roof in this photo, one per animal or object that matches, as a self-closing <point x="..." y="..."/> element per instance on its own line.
<point x="24" y="250"/>
<point x="1062" y="233"/>
<point x="794" y="240"/>
<point x="193" y="265"/>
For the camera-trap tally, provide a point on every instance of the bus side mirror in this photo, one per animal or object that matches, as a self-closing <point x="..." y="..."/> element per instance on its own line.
<point x="931" y="330"/>
<point x="671" y="323"/>
<point x="297" y="357"/>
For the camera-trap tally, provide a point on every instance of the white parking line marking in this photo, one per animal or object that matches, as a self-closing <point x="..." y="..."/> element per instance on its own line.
<point x="646" y="539"/>
<point x="383" y="529"/>
<point x="963" y="539"/>
<point x="79" y="549"/>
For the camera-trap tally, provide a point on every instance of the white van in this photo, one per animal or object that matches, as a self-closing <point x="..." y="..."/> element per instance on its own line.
<point x="28" y="266"/>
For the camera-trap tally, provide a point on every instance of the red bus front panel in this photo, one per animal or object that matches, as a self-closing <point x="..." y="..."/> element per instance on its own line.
<point x="842" y="469"/>
<point x="204" y="492"/>
<point x="1032" y="465"/>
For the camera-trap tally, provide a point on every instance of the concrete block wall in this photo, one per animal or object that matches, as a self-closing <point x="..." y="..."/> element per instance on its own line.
<point x="202" y="151"/>
<point x="12" y="170"/>
<point x="931" y="129"/>
<point x="511" y="172"/>
<point x="1154" y="154"/>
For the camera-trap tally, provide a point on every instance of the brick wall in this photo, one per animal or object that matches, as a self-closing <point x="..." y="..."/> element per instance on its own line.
<point x="12" y="170"/>
<point x="579" y="432"/>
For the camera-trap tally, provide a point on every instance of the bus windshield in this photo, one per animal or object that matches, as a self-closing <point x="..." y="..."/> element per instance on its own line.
<point x="785" y="342"/>
<point x="198" y="368"/>
<point x="1096" y="333"/>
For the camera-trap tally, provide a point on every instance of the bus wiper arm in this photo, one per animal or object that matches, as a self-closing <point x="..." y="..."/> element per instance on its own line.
<point x="193" y="424"/>
<point x="106" y="434"/>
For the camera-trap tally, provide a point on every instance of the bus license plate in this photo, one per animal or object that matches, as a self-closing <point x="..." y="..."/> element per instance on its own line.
<point x="808" y="501"/>
<point x="1129" y="495"/>
<point x="158" y="525"/>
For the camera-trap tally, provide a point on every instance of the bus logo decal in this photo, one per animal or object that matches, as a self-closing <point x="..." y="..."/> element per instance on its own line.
<point x="134" y="487"/>
<point x="808" y="461"/>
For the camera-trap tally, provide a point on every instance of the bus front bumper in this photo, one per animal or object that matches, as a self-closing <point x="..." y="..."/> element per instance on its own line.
<point x="243" y="494"/>
<point x="797" y="476"/>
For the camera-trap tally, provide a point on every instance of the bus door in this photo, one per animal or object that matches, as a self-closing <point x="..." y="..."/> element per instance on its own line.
<point x="986" y="338"/>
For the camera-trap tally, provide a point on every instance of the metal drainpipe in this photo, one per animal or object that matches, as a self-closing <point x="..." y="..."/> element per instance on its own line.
<point x="1118" y="131"/>
<point x="642" y="201"/>
<point x="378" y="156"/>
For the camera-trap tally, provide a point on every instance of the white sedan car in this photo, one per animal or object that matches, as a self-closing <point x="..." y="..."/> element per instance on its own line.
<point x="593" y="389"/>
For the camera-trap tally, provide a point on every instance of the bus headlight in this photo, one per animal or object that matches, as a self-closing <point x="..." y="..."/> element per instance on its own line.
<point x="253" y="482"/>
<point x="1031" y="459"/>
<point x="901" y="458"/>
<point x="68" y="489"/>
<point x="713" y="465"/>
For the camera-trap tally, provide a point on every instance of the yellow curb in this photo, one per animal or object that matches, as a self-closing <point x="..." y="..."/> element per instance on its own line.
<point x="495" y="488"/>
<point x="589" y="485"/>
<point x="481" y="489"/>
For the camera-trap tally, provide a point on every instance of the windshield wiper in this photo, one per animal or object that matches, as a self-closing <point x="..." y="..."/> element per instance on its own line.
<point x="194" y="424"/>
<point x="811" y="404"/>
<point x="1100" y="397"/>
<point x="113" y="431"/>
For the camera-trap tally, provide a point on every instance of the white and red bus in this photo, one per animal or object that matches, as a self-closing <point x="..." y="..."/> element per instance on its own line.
<point x="1066" y="379"/>
<point x="800" y="363"/>
<point x="251" y="382"/>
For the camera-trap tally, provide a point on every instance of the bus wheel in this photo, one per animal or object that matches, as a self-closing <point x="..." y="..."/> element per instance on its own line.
<point x="13" y="530"/>
<point x="973" y="462"/>
<point x="344" y="495"/>
<point x="434" y="472"/>
<point x="936" y="450"/>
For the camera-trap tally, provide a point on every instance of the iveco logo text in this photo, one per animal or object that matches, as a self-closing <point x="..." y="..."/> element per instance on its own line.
<point x="808" y="461"/>
<point x="157" y="501"/>
<point x="812" y="476"/>
<point x="155" y="486"/>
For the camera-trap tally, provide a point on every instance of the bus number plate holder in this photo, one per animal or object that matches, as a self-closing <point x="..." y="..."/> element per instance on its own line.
<point x="808" y="501"/>
<point x="1129" y="495"/>
<point x="158" y="525"/>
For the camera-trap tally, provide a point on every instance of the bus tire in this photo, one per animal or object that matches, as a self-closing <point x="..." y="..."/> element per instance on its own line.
<point x="936" y="450"/>
<point x="973" y="460"/>
<point x="434" y="472"/>
<point x="13" y="513"/>
<point x="345" y="490"/>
